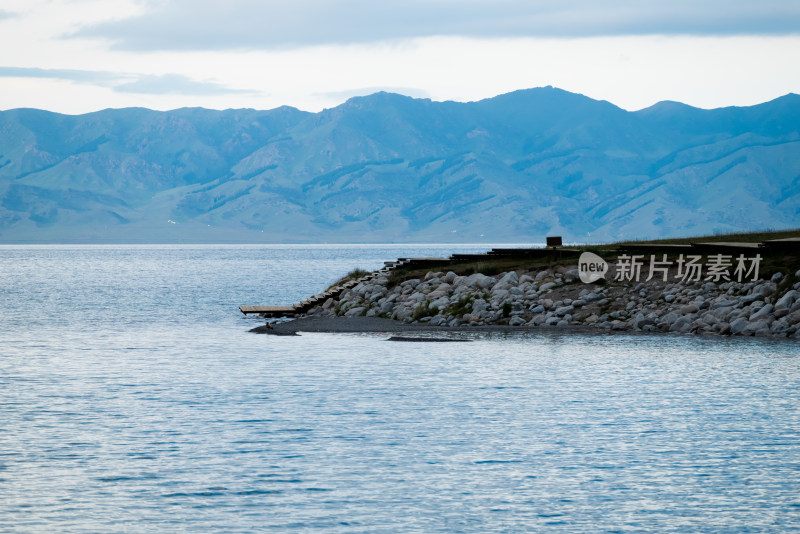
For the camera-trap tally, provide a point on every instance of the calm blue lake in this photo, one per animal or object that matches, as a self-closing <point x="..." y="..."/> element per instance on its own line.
<point x="133" y="399"/>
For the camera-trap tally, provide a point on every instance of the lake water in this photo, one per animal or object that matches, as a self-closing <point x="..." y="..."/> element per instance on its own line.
<point x="133" y="399"/>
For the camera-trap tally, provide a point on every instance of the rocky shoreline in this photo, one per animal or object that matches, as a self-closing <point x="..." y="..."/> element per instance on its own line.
<point x="555" y="298"/>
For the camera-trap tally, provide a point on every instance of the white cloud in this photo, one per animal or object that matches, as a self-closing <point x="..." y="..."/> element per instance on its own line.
<point x="175" y="84"/>
<point x="125" y="82"/>
<point x="45" y="70"/>
<point x="73" y="75"/>
<point x="258" y="24"/>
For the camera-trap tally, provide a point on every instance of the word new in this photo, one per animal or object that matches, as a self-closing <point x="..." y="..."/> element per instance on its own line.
<point x="591" y="267"/>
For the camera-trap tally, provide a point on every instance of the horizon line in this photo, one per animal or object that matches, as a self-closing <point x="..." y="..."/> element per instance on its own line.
<point x="546" y="87"/>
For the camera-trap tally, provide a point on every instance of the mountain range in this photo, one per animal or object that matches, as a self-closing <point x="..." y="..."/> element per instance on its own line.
<point x="390" y="168"/>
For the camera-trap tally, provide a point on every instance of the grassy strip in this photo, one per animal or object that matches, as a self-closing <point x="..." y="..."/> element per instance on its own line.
<point x="355" y="274"/>
<point x="752" y="237"/>
<point x="787" y="264"/>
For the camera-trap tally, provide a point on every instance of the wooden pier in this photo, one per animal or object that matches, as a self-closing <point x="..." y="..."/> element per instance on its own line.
<point x="273" y="312"/>
<point x="270" y="311"/>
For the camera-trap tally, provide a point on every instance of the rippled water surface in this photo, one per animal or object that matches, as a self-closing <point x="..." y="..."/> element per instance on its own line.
<point x="132" y="398"/>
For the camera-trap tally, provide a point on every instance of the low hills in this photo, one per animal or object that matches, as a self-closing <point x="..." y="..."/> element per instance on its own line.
<point x="386" y="167"/>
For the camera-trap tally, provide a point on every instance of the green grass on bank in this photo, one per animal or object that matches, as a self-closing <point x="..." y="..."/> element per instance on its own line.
<point x="751" y="237"/>
<point x="489" y="267"/>
<point x="355" y="274"/>
<point x="787" y="264"/>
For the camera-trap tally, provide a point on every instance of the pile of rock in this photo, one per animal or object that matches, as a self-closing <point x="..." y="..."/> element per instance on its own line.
<point x="556" y="297"/>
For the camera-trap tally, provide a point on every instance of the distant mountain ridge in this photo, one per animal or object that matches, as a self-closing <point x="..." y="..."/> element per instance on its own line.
<point x="390" y="168"/>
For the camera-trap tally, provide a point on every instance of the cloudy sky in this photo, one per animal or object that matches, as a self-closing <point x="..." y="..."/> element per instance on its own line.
<point x="75" y="56"/>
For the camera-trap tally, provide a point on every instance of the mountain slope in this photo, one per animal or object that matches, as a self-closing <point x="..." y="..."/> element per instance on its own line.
<point x="392" y="168"/>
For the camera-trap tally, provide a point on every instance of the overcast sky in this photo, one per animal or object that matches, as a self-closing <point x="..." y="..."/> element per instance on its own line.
<point x="76" y="56"/>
